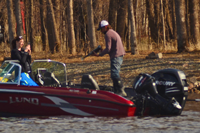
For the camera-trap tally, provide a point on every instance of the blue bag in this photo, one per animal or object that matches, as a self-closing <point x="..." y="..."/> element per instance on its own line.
<point x="26" y="80"/>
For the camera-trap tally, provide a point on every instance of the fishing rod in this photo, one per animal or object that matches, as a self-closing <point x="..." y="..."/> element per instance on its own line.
<point x="96" y="50"/>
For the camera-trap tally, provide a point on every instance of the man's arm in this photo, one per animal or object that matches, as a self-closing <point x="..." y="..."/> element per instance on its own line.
<point x="108" y="46"/>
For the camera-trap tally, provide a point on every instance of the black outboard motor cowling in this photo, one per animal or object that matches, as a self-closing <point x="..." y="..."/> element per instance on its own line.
<point x="165" y="92"/>
<point x="145" y="83"/>
<point x="172" y="83"/>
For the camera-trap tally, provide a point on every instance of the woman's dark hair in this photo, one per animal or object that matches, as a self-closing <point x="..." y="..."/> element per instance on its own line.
<point x="17" y="38"/>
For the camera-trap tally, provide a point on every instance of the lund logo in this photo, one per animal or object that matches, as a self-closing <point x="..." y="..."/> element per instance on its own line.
<point x="24" y="100"/>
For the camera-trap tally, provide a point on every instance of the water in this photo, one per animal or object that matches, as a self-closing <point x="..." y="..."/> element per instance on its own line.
<point x="187" y="122"/>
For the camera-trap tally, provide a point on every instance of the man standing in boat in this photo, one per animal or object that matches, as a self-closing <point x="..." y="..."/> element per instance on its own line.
<point x="115" y="49"/>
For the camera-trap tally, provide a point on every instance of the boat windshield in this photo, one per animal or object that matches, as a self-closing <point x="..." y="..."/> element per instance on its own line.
<point x="10" y="73"/>
<point x="58" y="69"/>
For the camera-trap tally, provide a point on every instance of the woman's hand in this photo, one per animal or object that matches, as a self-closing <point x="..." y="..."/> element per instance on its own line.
<point x="29" y="52"/>
<point x="28" y="49"/>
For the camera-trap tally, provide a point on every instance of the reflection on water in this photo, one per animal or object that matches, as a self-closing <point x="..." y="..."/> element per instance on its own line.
<point x="189" y="121"/>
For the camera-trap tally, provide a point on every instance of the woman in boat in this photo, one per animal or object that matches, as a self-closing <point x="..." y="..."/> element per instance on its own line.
<point x="24" y="57"/>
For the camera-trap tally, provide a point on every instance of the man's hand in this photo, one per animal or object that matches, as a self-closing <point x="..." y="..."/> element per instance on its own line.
<point x="101" y="50"/>
<point x="94" y="54"/>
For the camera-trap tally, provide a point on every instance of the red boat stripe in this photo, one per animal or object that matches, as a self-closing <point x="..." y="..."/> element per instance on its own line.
<point x="68" y="105"/>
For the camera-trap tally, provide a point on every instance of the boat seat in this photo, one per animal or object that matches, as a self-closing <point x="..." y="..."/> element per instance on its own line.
<point x="89" y="82"/>
<point x="49" y="79"/>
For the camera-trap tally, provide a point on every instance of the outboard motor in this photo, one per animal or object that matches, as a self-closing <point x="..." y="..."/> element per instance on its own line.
<point x="166" y="101"/>
<point x="172" y="83"/>
<point x="144" y="82"/>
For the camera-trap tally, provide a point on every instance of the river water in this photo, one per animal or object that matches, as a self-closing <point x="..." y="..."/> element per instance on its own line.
<point x="188" y="121"/>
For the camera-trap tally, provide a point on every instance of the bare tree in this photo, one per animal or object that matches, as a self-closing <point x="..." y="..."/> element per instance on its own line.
<point x="163" y="23"/>
<point x="71" y="38"/>
<point x="44" y="34"/>
<point x="53" y="36"/>
<point x="73" y="22"/>
<point x="172" y="3"/>
<point x="32" y="27"/>
<point x="169" y="21"/>
<point x="98" y="15"/>
<point x="57" y="13"/>
<point x="157" y="18"/>
<point x="134" y="49"/>
<point x="18" y="18"/>
<point x="112" y="18"/>
<point x="97" y="11"/>
<point x="139" y="20"/>
<point x="121" y="18"/>
<point x="181" y="26"/>
<point x="194" y="22"/>
<point x="151" y="18"/>
<point x="10" y="21"/>
<point x="91" y="29"/>
<point x="58" y="21"/>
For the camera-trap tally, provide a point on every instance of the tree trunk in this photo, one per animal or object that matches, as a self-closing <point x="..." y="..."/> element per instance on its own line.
<point x="57" y="13"/>
<point x="44" y="34"/>
<point x="194" y="23"/>
<point x="187" y="20"/>
<point x="121" y="18"/>
<point x="10" y="21"/>
<point x="151" y="17"/>
<point x="174" y="19"/>
<point x="53" y="37"/>
<point x="169" y="20"/>
<point x="140" y="21"/>
<point x="157" y="19"/>
<point x="163" y="22"/>
<point x="112" y="16"/>
<point x="82" y="25"/>
<point x="134" y="49"/>
<point x="58" y="23"/>
<point x="181" y="25"/>
<point x="18" y="18"/>
<point x="26" y="6"/>
<point x="71" y="38"/>
<point x="98" y="11"/>
<point x="91" y="29"/>
<point x="32" y="27"/>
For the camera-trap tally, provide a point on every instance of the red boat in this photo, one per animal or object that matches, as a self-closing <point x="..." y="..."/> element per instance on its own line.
<point x="55" y="96"/>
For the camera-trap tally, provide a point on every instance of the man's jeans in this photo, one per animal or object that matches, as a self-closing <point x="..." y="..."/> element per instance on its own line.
<point x="115" y="67"/>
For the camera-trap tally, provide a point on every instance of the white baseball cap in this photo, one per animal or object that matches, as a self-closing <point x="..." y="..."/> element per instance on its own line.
<point x="102" y="24"/>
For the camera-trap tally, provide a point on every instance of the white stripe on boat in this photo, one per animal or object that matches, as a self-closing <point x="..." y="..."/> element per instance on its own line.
<point x="71" y="109"/>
